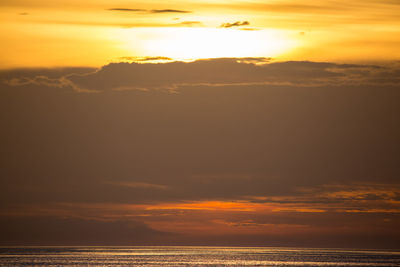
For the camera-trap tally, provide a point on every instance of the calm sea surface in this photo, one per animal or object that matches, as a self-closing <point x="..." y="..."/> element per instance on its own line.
<point x="193" y="256"/>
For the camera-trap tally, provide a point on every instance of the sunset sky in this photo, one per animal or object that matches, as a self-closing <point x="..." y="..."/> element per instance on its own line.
<point x="246" y="123"/>
<point x="95" y="32"/>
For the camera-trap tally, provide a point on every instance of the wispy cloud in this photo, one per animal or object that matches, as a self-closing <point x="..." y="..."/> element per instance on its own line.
<point x="169" y="11"/>
<point x="249" y="29"/>
<point x="140" y="185"/>
<point x="329" y="208"/>
<point x="362" y="198"/>
<point x="127" y="9"/>
<point x="190" y="23"/>
<point x="148" y="10"/>
<point x="235" y="24"/>
<point x="145" y="59"/>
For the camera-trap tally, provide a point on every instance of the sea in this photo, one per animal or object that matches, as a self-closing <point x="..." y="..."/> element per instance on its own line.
<point x="194" y="256"/>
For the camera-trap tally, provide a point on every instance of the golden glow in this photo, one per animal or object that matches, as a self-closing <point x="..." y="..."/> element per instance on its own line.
<point x="66" y="33"/>
<point x="195" y="43"/>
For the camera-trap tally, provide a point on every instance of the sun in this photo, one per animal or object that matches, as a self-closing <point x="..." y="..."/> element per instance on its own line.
<point x="197" y="43"/>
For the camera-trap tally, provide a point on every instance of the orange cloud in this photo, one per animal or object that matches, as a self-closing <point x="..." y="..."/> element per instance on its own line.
<point x="208" y="205"/>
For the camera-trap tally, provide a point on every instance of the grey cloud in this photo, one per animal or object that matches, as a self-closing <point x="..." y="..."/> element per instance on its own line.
<point x="139" y="185"/>
<point x="48" y="72"/>
<point x="74" y="231"/>
<point x="61" y="82"/>
<point x="55" y="77"/>
<point x="169" y="11"/>
<point x="231" y="128"/>
<point x="225" y="72"/>
<point x="149" y="11"/>
<point x="364" y="197"/>
<point x="235" y="24"/>
<point x="203" y="72"/>
<point x="39" y="80"/>
<point x="127" y="9"/>
<point x="308" y="123"/>
<point x="190" y="23"/>
<point x="139" y="59"/>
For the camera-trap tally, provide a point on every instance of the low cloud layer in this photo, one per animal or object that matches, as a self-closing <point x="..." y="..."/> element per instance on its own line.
<point x="242" y="150"/>
<point x="216" y="72"/>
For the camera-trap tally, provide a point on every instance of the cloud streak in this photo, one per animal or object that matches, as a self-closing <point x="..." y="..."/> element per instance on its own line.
<point x="154" y="11"/>
<point x="127" y="9"/>
<point x="140" y="185"/>
<point x="235" y="24"/>
<point x="305" y="213"/>
<point x="169" y="11"/>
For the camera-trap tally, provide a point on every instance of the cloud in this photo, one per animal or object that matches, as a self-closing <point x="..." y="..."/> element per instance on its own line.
<point x="225" y="72"/>
<point x="249" y="29"/>
<point x="308" y="213"/>
<point x="373" y="197"/>
<point x="149" y="11"/>
<point x="39" y="80"/>
<point x="75" y="231"/>
<point x="215" y="73"/>
<point x="169" y="11"/>
<point x="140" y="185"/>
<point x="124" y="25"/>
<point x="127" y="9"/>
<point x="220" y="149"/>
<point x="145" y="59"/>
<point x="61" y="82"/>
<point x="190" y="23"/>
<point x="235" y="24"/>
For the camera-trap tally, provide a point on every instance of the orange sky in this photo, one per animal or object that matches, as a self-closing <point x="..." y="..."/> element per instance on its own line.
<point x="93" y="33"/>
<point x="267" y="123"/>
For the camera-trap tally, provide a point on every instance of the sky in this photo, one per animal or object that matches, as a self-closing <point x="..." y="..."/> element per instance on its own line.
<point x="92" y="33"/>
<point x="232" y="123"/>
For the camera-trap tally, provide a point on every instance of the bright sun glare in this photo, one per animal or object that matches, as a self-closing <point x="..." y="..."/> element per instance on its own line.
<point x="196" y="43"/>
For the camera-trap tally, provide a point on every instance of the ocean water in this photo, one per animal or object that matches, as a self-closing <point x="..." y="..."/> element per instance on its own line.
<point x="193" y="256"/>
